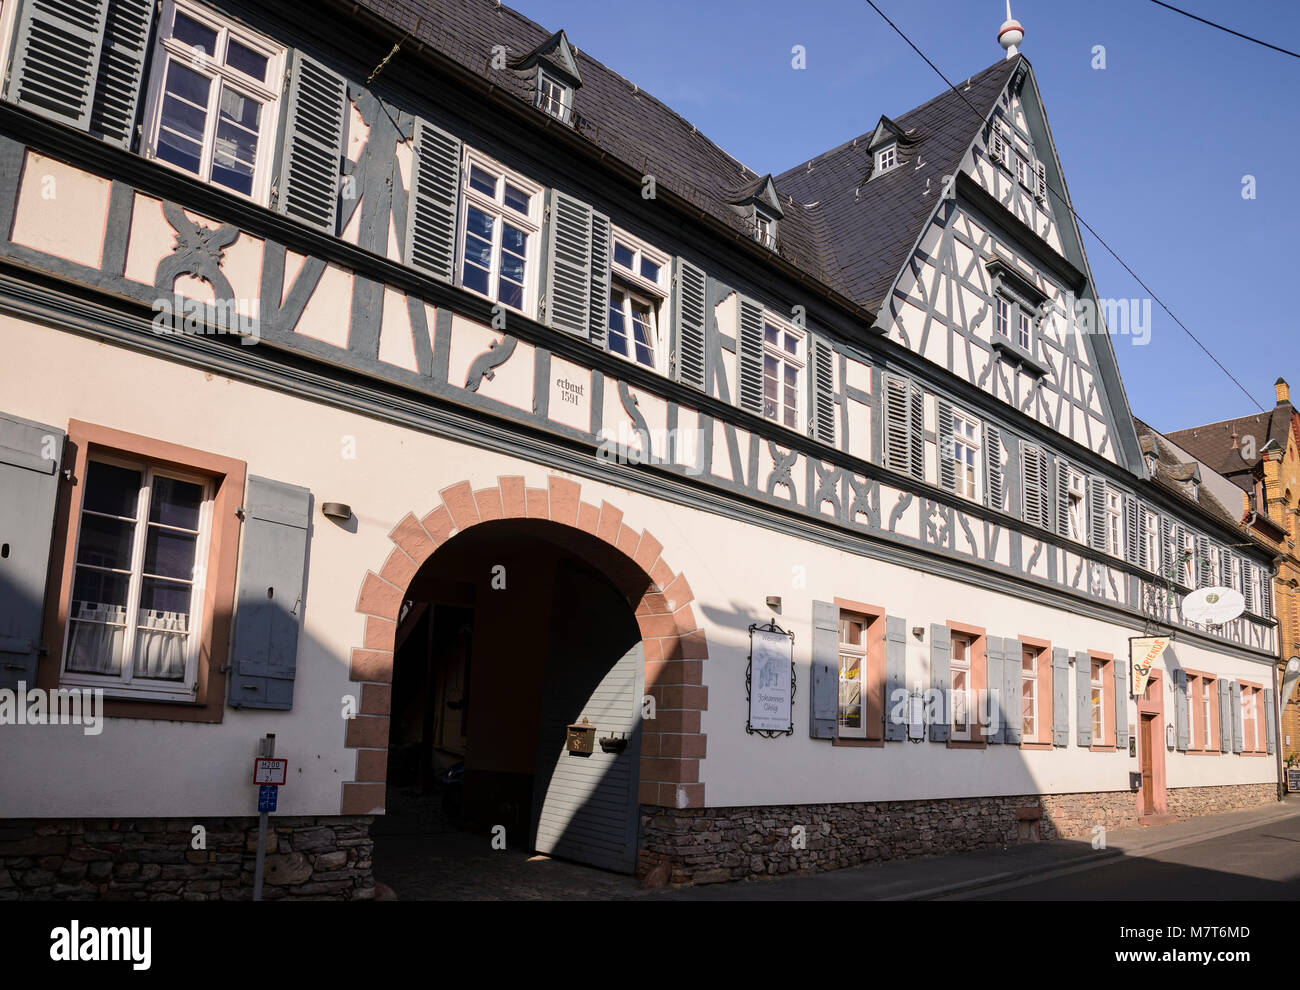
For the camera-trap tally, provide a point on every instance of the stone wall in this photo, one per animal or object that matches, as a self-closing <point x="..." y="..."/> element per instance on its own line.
<point x="155" y="859"/>
<point x="1188" y="802"/>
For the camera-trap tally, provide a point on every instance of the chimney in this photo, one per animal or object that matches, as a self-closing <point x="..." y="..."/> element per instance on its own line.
<point x="1283" y="391"/>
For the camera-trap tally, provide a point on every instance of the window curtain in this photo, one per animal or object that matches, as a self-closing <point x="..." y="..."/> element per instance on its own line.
<point x="96" y="635"/>
<point x="160" y="647"/>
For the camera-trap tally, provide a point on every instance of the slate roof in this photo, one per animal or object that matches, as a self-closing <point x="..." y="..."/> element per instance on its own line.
<point x="1212" y="444"/>
<point x="1173" y="471"/>
<point x="853" y="244"/>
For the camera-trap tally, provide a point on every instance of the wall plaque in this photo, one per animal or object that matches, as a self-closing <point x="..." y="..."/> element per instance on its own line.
<point x="769" y="679"/>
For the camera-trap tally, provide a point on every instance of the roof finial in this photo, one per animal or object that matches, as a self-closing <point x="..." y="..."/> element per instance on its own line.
<point x="1011" y="34"/>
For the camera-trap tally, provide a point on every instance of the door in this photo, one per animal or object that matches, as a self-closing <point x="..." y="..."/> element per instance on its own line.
<point x="1147" y="742"/>
<point x="585" y="805"/>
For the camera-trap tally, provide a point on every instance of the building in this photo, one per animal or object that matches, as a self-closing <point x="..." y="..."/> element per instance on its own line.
<point x="1260" y="454"/>
<point x="403" y="382"/>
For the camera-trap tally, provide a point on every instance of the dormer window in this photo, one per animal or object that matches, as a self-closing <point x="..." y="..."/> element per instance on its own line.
<point x="553" y="96"/>
<point x="1152" y="463"/>
<point x="886" y="158"/>
<point x="764" y="229"/>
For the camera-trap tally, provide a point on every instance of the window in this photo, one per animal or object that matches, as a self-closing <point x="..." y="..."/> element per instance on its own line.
<point x="499" y="223"/>
<point x="637" y="302"/>
<point x="965" y="452"/>
<point x="1097" y="700"/>
<point x="1153" y="463"/>
<point x="783" y="365"/>
<point x="1075" y="507"/>
<point x="962" y="693"/>
<point x="764" y="229"/>
<point x="1002" y="316"/>
<point x="1025" y="327"/>
<point x="886" y="158"/>
<point x="553" y="96"/>
<point x="1029" y="694"/>
<point x="1152" y="523"/>
<point x="853" y="657"/>
<point x="1114" y="524"/>
<point x="1206" y="686"/>
<point x="1249" y="718"/>
<point x="213" y="94"/>
<point x="138" y="576"/>
<point x="1023" y="172"/>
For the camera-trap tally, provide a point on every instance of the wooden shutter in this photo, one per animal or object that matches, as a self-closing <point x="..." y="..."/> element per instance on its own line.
<point x="947" y="458"/>
<point x="1166" y="547"/>
<point x="1040" y="181"/>
<point x="897" y="428"/>
<point x="121" y="71"/>
<point x="1265" y="594"/>
<point x="1132" y="530"/>
<point x="824" y="707"/>
<point x="1234" y="693"/>
<point x="1225" y="567"/>
<point x="1062" y="497"/>
<point x="1012" y="706"/>
<point x="29" y="482"/>
<point x="995" y="479"/>
<point x="1143" y="544"/>
<point x="1225" y="717"/>
<point x="434" y="202"/>
<point x="916" y="401"/>
<point x="1121" y="702"/>
<point x="997" y="143"/>
<point x="994" y="678"/>
<point x="270" y="603"/>
<point x="1202" y="570"/>
<point x="56" y="58"/>
<point x="1060" y="697"/>
<point x="1248" y="585"/>
<point x="568" y="253"/>
<point x="600" y="262"/>
<point x="941" y="680"/>
<point x="1182" y="733"/>
<point x="823" y="390"/>
<point x="1270" y="720"/>
<point x="749" y="342"/>
<point x="895" y="677"/>
<point x="1097" y="514"/>
<point x="313" y="153"/>
<point x="1036" y="487"/>
<point x="689" y="315"/>
<point x="1083" y="698"/>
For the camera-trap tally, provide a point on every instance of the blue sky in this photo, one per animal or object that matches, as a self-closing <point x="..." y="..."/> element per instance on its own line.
<point x="1155" y="145"/>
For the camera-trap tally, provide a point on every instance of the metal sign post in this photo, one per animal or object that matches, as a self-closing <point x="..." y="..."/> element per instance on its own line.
<point x="265" y="748"/>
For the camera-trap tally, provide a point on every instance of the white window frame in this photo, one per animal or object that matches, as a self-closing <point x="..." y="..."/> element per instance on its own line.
<point x="1205" y="709"/>
<point x="1002" y="316"/>
<point x="856" y="651"/>
<point x="653" y="293"/>
<point x="1114" y="523"/>
<point x="545" y="100"/>
<point x="1023" y="171"/>
<point x="1152" y="523"/>
<point x="167" y="49"/>
<point x="1077" y="499"/>
<point x="764" y="228"/>
<point x="973" y="444"/>
<point x="964" y="664"/>
<point x="1097" y="686"/>
<point x="530" y="224"/>
<point x="1031" y="655"/>
<point x="800" y="362"/>
<point x="887" y="158"/>
<point x="124" y="684"/>
<point x="1024" y="329"/>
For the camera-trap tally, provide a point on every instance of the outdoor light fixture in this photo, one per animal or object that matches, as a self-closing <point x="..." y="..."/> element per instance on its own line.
<point x="918" y="632"/>
<point x="774" y="602"/>
<point x="339" y="511"/>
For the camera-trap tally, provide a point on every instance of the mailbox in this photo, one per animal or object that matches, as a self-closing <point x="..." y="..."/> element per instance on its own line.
<point x="581" y="738"/>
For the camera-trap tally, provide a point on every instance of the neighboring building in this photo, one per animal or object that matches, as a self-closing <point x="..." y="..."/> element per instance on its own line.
<point x="1260" y="454"/>
<point x="537" y="405"/>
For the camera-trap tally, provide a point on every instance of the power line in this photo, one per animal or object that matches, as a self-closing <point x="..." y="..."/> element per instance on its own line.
<point x="1220" y="27"/>
<point x="1087" y="226"/>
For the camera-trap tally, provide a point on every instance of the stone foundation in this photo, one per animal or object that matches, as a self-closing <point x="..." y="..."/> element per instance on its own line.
<point x="711" y="845"/>
<point x="154" y="859"/>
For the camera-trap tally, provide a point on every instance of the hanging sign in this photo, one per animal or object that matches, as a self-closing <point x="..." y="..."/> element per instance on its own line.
<point x="770" y="680"/>
<point x="1143" y="652"/>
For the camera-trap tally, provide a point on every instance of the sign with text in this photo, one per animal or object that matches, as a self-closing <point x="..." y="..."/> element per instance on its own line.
<point x="1144" y="651"/>
<point x="268" y="770"/>
<point x="771" y="680"/>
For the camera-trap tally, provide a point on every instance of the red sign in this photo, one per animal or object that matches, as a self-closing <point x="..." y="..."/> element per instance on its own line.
<point x="269" y="770"/>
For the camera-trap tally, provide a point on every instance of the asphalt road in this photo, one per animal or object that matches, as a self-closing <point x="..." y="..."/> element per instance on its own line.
<point x="1261" y="863"/>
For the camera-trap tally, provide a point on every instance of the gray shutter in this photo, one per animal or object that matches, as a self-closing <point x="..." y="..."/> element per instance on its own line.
<point x="1202" y="570"/>
<point x="269" y="609"/>
<point x="896" y="429"/>
<point x="940" y="679"/>
<point x="1062" y="498"/>
<point x="689" y="315"/>
<point x="1180" y="540"/>
<point x="1182" y="733"/>
<point x="1060" y="697"/>
<point x="121" y="71"/>
<point x="895" y="676"/>
<point x="1097" y="514"/>
<point x="568" y="253"/>
<point x="1225" y="716"/>
<point x="29" y="489"/>
<point x="917" y="431"/>
<point x="1083" y="698"/>
<point x="434" y="202"/>
<point x="994" y="677"/>
<point x="1143" y="544"/>
<point x="600" y="261"/>
<point x="749" y="344"/>
<point x="56" y="58"/>
<point x="1121" y="702"/>
<point x="1035" y="473"/>
<point x="1132" y="529"/>
<point x="995" y="480"/>
<point x="1248" y="585"/>
<point x="947" y="461"/>
<point x="1012" y="706"/>
<point x="1234" y="690"/>
<point x="1265" y="594"/>
<point x="823" y="390"/>
<point x="1270" y="720"/>
<point x="1166" y="547"/>
<point x="823" y="709"/>
<point x="313" y="145"/>
<point x="1225" y="567"/>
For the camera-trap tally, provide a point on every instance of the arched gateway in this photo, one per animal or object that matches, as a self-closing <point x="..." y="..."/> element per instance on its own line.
<point x="631" y="631"/>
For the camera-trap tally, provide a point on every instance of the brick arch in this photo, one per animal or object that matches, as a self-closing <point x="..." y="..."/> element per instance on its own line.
<point x="672" y="744"/>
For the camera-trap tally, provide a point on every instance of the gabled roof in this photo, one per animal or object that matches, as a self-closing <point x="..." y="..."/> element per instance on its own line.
<point x="1174" y="471"/>
<point x="555" y="54"/>
<point x="874" y="224"/>
<point x="762" y="191"/>
<point x="1214" y="443"/>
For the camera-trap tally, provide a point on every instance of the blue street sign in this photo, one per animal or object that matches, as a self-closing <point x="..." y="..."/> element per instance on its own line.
<point x="266" y="797"/>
